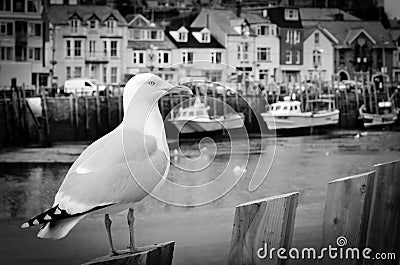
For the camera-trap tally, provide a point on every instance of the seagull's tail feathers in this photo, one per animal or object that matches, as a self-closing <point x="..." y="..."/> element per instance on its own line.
<point x="57" y="222"/>
<point x="59" y="229"/>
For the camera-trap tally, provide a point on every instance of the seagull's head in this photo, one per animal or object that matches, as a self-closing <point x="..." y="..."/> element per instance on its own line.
<point x="149" y="88"/>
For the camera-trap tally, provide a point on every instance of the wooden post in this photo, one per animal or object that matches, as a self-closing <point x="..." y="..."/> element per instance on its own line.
<point x="76" y="117"/>
<point x="160" y="254"/>
<point x="224" y="101"/>
<point x="98" y="118"/>
<point x="357" y="99"/>
<point x="384" y="222"/>
<point x="347" y="212"/>
<point x="267" y="222"/>
<point x="307" y="99"/>
<point x="346" y="98"/>
<point x="369" y="92"/>
<point x="46" y="127"/>
<point x="86" y="114"/>
<point x="363" y="90"/>
<point x="71" y="116"/>
<point x="108" y="109"/>
<point x="120" y="104"/>
<point x="375" y="98"/>
<point x="214" y="100"/>
<point x="7" y="125"/>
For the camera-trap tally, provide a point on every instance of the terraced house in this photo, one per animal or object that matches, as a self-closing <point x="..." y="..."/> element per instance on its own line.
<point x="22" y="43"/>
<point x="87" y="41"/>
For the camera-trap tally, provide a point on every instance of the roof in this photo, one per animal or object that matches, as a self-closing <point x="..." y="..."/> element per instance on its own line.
<point x="192" y="41"/>
<point x="309" y="30"/>
<point x="167" y="44"/>
<point x="395" y="33"/>
<point x="321" y="14"/>
<point x="60" y="14"/>
<point x="219" y="17"/>
<point x="277" y="16"/>
<point x="255" y="17"/>
<point x="345" y="31"/>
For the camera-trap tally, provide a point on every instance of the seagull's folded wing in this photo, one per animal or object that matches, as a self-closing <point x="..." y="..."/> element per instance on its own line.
<point x="112" y="173"/>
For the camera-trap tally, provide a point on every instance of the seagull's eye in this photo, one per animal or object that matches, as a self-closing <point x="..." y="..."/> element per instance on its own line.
<point x="151" y="83"/>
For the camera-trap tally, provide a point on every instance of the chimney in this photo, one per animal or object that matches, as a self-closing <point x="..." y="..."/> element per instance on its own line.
<point x="111" y="3"/>
<point x="208" y="21"/>
<point x="339" y="17"/>
<point x="238" y="8"/>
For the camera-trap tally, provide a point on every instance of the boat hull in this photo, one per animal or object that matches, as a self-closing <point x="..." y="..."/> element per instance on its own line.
<point x="301" y="120"/>
<point x="375" y="120"/>
<point x="198" y="126"/>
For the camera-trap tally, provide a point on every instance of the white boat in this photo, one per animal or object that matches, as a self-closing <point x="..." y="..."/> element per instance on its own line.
<point x="387" y="114"/>
<point x="195" y="119"/>
<point x="285" y="115"/>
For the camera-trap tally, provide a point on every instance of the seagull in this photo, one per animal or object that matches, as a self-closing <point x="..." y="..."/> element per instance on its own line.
<point x="117" y="170"/>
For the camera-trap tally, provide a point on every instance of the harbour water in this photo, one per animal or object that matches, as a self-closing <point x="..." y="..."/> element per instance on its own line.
<point x="202" y="233"/>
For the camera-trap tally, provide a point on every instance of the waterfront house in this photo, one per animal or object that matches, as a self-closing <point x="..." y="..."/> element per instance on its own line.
<point x="87" y="41"/>
<point x="198" y="55"/>
<point x="290" y="32"/>
<point x="361" y="46"/>
<point x="149" y="50"/>
<point x="22" y="43"/>
<point x="319" y="51"/>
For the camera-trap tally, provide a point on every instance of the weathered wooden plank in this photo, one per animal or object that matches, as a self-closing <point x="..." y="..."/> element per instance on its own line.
<point x="347" y="212"/>
<point x="384" y="223"/>
<point x="268" y="222"/>
<point x="159" y="254"/>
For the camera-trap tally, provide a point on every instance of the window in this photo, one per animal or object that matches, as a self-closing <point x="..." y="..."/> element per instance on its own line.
<point x="68" y="72"/>
<point x="264" y="54"/>
<point x="114" y="48"/>
<point x="316" y="39"/>
<point x="111" y="25"/>
<point x="19" y="6"/>
<point x="205" y="37"/>
<point x="5" y="5"/>
<point x="6" y="28"/>
<point x="135" y="34"/>
<point x="105" y="75"/>
<point x="92" y="48"/>
<point x="33" y="6"/>
<point x="288" y="57"/>
<point x="163" y="57"/>
<point x="155" y="35"/>
<point x="298" y="57"/>
<point x="216" y="57"/>
<point x="243" y="51"/>
<point x="74" y="23"/>
<point x="114" y="73"/>
<point x="291" y="14"/>
<point x="316" y="58"/>
<point x="92" y="24"/>
<point x="138" y="57"/>
<point x="297" y="36"/>
<point x="6" y="53"/>
<point x="182" y="36"/>
<point x="68" y="45"/>
<point x="263" y="75"/>
<point x="263" y="30"/>
<point x="187" y="57"/>
<point x="35" y="54"/>
<point x="78" y="72"/>
<point x="78" y="49"/>
<point x="342" y="57"/>
<point x="105" y="48"/>
<point x="35" y="29"/>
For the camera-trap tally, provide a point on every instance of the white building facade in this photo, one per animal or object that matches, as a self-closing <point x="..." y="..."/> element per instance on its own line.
<point x="87" y="42"/>
<point x="21" y="43"/>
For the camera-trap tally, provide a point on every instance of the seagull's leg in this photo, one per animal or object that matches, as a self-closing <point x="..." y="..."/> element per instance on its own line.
<point x="131" y="221"/>
<point x="107" y="222"/>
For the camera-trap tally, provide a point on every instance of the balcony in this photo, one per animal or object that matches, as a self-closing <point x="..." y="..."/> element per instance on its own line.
<point x="96" y="59"/>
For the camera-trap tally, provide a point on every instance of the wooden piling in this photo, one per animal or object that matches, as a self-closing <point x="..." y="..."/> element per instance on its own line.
<point x="120" y="105"/>
<point x="356" y="92"/>
<point x="71" y="116"/>
<point x="45" y="117"/>
<point x="347" y="212"/>
<point x="384" y="222"/>
<point x="161" y="254"/>
<point x="214" y="87"/>
<point x="86" y="114"/>
<point x="6" y="117"/>
<point x="108" y="109"/>
<point x="76" y="117"/>
<point x="363" y="90"/>
<point x="259" y="223"/>
<point x="98" y="118"/>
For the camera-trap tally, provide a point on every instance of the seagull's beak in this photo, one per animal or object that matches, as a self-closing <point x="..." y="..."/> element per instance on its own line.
<point x="179" y="89"/>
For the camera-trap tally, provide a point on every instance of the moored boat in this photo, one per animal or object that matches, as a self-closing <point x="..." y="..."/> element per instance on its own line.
<point x="195" y="119"/>
<point x="386" y="115"/>
<point x="287" y="114"/>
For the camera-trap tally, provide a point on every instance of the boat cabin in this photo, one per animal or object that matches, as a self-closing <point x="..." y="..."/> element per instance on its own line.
<point x="285" y="107"/>
<point x="385" y="108"/>
<point x="321" y="105"/>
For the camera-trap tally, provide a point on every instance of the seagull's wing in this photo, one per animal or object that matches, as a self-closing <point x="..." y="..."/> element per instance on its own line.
<point x="112" y="172"/>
